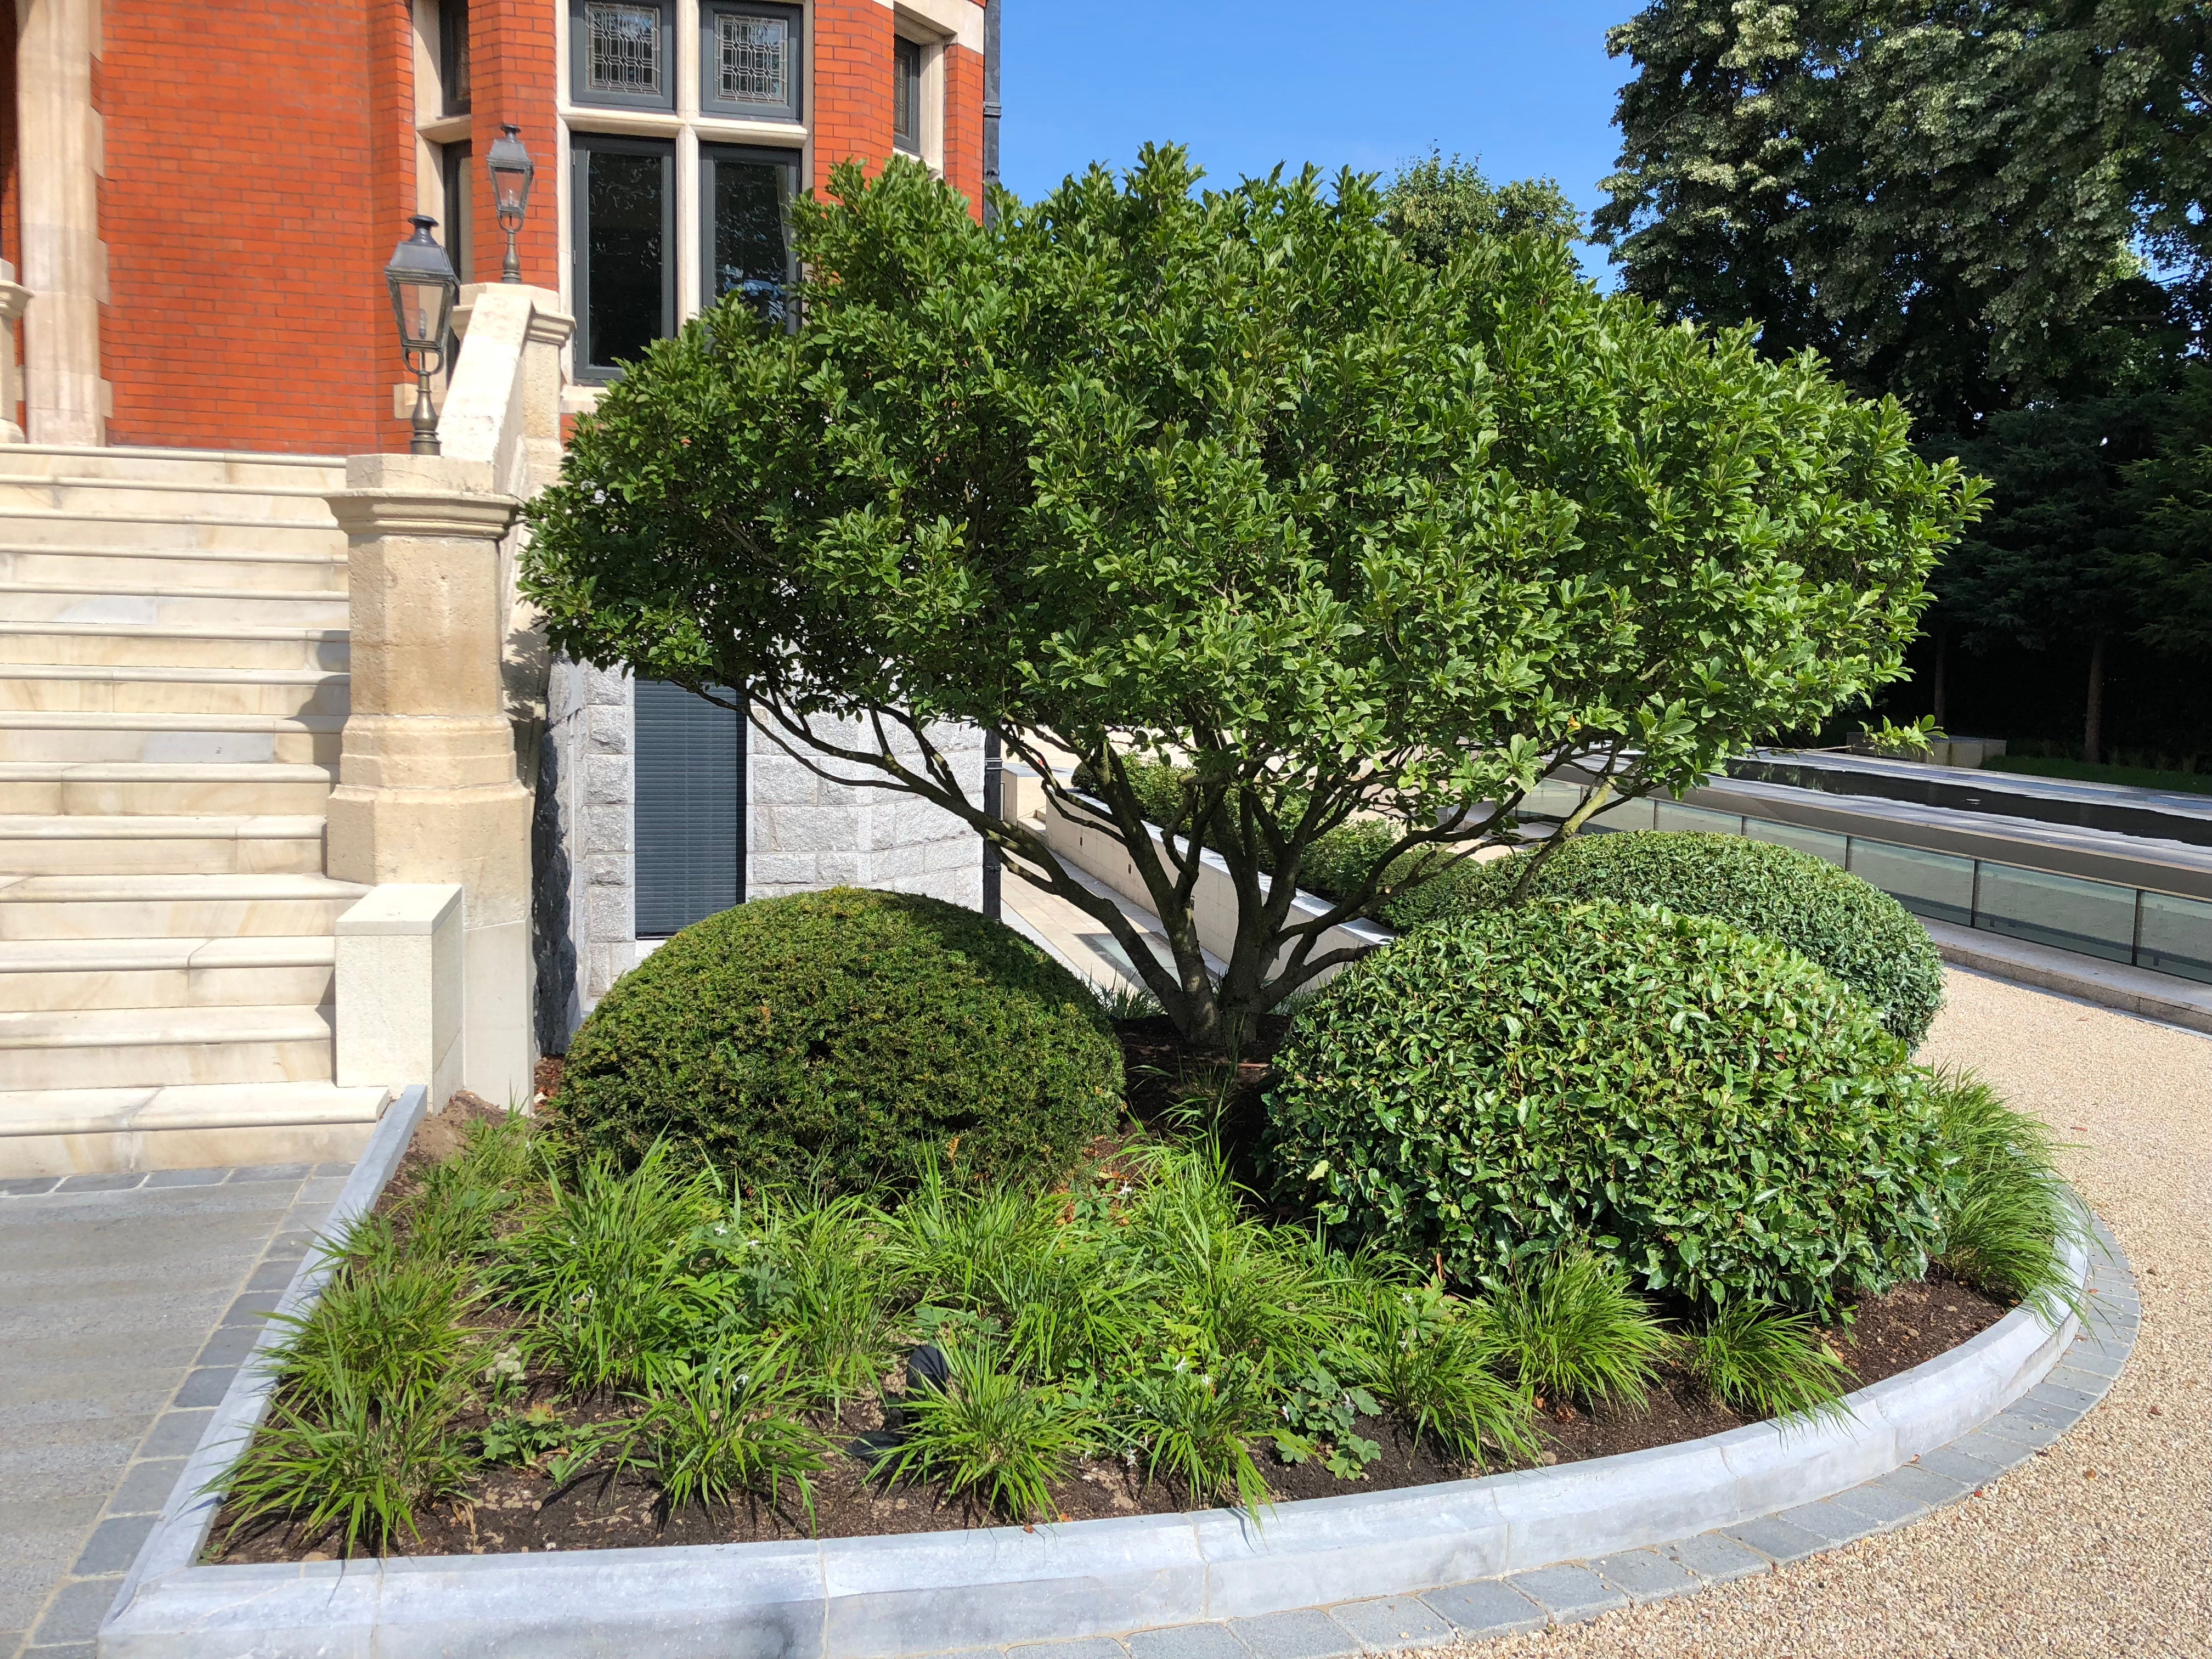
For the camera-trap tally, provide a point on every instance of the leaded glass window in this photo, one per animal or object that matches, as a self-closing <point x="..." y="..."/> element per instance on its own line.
<point x="906" y="95"/>
<point x="756" y="58"/>
<point x="622" y="47"/>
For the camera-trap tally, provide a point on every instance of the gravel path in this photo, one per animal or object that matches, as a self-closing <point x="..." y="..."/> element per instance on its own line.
<point x="2101" y="1546"/>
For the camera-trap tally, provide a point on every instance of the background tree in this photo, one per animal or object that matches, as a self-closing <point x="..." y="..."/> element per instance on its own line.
<point x="1229" y="479"/>
<point x="1944" y="199"/>
<point x="2169" y="495"/>
<point x="1433" y="205"/>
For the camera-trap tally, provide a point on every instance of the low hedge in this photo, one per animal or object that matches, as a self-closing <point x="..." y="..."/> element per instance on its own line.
<point x="838" y="1037"/>
<point x="1856" y="932"/>
<point x="1705" y="1107"/>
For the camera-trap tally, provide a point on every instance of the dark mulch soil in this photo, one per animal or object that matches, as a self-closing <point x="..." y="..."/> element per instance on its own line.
<point x="522" y="1511"/>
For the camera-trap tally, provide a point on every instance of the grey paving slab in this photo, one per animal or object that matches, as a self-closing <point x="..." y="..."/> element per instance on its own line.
<point x="1186" y="1642"/>
<point x="1308" y="1634"/>
<point x="1828" y="1520"/>
<point x="114" y="1542"/>
<point x="68" y="1650"/>
<point x="1394" y="1622"/>
<point x="1569" y="1593"/>
<point x="206" y="1386"/>
<point x="2021" y="1432"/>
<point x="1885" y="1506"/>
<point x="99" y="1183"/>
<point x="17" y="1185"/>
<point x="1716" y="1557"/>
<point x="1776" y="1540"/>
<point x="1096" y="1648"/>
<point x="74" y="1614"/>
<point x="230" y="1344"/>
<point x="1645" y="1575"/>
<point x="175" y="1434"/>
<point x="274" y="1275"/>
<point x="270" y="1172"/>
<point x="188" y="1178"/>
<point x="1488" y="1607"/>
<point x="1928" y="1485"/>
<point x="252" y="1309"/>
<point x="339" y="1169"/>
<point x="146" y="1486"/>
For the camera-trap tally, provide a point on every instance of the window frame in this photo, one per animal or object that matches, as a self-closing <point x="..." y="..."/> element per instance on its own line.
<point x="579" y="61"/>
<point x="581" y="147"/>
<point x="906" y="49"/>
<point x="712" y="104"/>
<point x="712" y="154"/>
<point x="456" y="183"/>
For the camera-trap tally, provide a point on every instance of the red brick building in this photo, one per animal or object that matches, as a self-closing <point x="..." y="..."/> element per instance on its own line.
<point x="199" y="195"/>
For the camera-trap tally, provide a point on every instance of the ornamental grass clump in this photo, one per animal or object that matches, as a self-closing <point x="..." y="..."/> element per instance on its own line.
<point x="2008" y="1220"/>
<point x="838" y="1040"/>
<point x="1707" y="1109"/>
<point x="1856" y="930"/>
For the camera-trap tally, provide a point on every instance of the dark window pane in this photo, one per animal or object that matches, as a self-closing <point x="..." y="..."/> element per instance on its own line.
<point x="691" y="809"/>
<point x="906" y="95"/>
<point x="752" y="256"/>
<point x="453" y="19"/>
<point x="460" y="223"/>
<point x="626" y="209"/>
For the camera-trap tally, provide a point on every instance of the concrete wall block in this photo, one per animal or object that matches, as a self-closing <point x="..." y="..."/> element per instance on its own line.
<point x="608" y="727"/>
<point x="780" y="871"/>
<point x="607" y="828"/>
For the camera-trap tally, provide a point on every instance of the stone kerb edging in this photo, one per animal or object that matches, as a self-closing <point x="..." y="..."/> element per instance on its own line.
<point x="887" y="1597"/>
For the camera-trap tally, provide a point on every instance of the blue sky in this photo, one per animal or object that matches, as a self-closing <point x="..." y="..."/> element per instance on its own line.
<point x="1527" y="87"/>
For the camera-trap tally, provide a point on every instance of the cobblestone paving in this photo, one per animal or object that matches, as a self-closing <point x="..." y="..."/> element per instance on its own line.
<point x="126" y="1302"/>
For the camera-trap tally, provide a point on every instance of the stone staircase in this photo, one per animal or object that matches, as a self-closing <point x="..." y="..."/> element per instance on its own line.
<point x="173" y="687"/>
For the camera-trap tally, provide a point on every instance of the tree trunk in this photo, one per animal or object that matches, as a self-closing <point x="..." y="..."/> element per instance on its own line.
<point x="1942" y="664"/>
<point x="2092" y="723"/>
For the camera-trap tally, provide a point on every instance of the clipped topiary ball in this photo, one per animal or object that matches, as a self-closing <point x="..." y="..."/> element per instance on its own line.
<point x="1856" y="930"/>
<point x="1706" y="1107"/>
<point x="841" y="1035"/>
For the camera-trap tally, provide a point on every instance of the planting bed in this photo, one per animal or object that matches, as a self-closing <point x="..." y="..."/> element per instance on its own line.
<point x="527" y="1510"/>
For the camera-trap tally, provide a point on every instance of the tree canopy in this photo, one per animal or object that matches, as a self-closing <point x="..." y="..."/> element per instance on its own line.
<point x="1433" y="205"/>
<point x="1972" y="204"/>
<point x="1226" y="477"/>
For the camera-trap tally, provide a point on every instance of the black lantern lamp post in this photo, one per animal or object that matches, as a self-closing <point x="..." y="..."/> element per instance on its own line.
<point x="423" y="287"/>
<point x="511" y="170"/>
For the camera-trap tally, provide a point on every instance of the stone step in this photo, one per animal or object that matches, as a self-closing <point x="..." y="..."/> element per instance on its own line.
<point x="120" y="644"/>
<point x="125" y="787"/>
<point x="154" y="1048"/>
<point x="58" y="1132"/>
<point x="55" y="735"/>
<point x="196" y="500"/>
<point x="117" y="569"/>
<point x="236" y="534"/>
<point x="156" y="605"/>
<point x="139" y="906"/>
<point x="203" y="844"/>
<point x="51" y="975"/>
<point x="78" y="688"/>
<point x="176" y="466"/>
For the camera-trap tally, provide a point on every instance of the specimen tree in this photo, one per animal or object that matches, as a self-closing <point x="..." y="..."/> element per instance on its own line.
<point x="1229" y="478"/>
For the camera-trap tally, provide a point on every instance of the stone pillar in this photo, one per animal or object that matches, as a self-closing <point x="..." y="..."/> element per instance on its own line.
<point x="428" y="790"/>
<point x="13" y="296"/>
<point x="64" y="262"/>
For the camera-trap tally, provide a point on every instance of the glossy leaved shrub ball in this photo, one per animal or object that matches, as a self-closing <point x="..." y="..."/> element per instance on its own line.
<point x="840" y="1039"/>
<point x="1708" y="1108"/>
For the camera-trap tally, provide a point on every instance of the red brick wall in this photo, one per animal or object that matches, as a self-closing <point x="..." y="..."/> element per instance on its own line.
<point x="260" y="166"/>
<point x="964" y="125"/>
<point x="852" y="112"/>
<point x="511" y="55"/>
